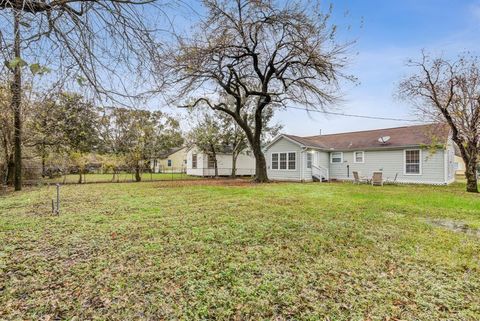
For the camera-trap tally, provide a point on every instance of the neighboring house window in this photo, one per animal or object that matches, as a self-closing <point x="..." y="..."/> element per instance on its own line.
<point x="309" y="160"/>
<point x="358" y="157"/>
<point x="169" y="163"/>
<point x="336" y="157"/>
<point x="412" y="161"/>
<point x="292" y="160"/>
<point x="284" y="160"/>
<point x="275" y="161"/>
<point x="185" y="161"/>
<point x="211" y="162"/>
<point x="194" y="161"/>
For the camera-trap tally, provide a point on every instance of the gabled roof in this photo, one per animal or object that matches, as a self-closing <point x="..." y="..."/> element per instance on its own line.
<point x="170" y="152"/>
<point x="418" y="135"/>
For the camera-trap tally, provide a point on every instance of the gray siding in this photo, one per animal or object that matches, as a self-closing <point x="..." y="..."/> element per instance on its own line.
<point x="392" y="163"/>
<point x="284" y="145"/>
<point x="436" y="167"/>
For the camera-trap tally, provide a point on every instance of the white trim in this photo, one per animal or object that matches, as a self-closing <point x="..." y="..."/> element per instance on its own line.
<point x="288" y="167"/>
<point x="355" y="157"/>
<point x="420" y="159"/>
<point x="341" y="158"/>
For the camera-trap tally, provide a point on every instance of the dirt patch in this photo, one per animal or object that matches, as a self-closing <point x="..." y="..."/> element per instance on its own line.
<point x="208" y="182"/>
<point x="455" y="226"/>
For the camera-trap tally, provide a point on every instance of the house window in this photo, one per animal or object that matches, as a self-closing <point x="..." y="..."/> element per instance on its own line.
<point x="412" y="161"/>
<point x="211" y="161"/>
<point x="275" y="161"/>
<point x="194" y="161"/>
<point x="284" y="161"/>
<point x="336" y="157"/>
<point x="358" y="157"/>
<point x="309" y="160"/>
<point x="169" y="163"/>
<point x="292" y="160"/>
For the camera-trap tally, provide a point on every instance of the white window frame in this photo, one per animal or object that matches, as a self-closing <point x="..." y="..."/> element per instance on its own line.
<point x="288" y="167"/>
<point x="278" y="161"/>
<point x="194" y="164"/>
<point x="355" y="157"/>
<point x="420" y="162"/>
<point x="210" y="161"/>
<point x="331" y="158"/>
<point x="309" y="154"/>
<point x="288" y="161"/>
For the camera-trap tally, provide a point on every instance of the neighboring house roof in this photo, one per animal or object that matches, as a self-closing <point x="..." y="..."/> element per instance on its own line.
<point x="170" y="152"/>
<point x="225" y="149"/>
<point x="430" y="134"/>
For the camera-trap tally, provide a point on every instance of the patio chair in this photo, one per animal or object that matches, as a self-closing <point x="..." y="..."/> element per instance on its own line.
<point x="357" y="179"/>
<point x="377" y="179"/>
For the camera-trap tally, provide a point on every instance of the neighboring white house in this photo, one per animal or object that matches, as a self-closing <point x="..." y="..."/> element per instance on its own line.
<point x="403" y="154"/>
<point x="200" y="164"/>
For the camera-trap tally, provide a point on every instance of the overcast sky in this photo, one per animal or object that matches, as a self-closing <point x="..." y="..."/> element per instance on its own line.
<point x="387" y="34"/>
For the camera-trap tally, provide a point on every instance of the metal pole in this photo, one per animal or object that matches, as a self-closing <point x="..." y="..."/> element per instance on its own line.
<point x="58" y="199"/>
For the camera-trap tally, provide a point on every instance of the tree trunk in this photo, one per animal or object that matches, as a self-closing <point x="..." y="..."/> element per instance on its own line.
<point x="138" y="178"/>
<point x="471" y="175"/>
<point x="234" y="164"/>
<point x="260" y="164"/>
<point x="80" y="177"/>
<point x="215" y="165"/>
<point x="43" y="165"/>
<point x="16" y="90"/>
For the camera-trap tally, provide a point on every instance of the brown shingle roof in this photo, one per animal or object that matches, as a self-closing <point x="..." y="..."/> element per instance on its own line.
<point x="170" y="152"/>
<point x="399" y="137"/>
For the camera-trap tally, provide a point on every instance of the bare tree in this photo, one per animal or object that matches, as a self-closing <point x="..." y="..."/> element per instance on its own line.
<point x="235" y="137"/>
<point x="448" y="91"/>
<point x="257" y="52"/>
<point x="95" y="42"/>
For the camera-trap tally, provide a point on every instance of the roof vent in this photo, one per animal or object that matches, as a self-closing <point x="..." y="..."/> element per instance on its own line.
<point x="384" y="139"/>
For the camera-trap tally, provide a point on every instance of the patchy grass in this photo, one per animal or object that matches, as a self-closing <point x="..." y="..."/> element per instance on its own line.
<point x="278" y="251"/>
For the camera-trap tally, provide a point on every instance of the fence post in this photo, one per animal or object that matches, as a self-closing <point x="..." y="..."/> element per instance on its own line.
<point x="57" y="210"/>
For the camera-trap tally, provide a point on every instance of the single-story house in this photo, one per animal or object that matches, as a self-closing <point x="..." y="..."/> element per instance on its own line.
<point x="174" y="160"/>
<point x="201" y="164"/>
<point x="410" y="154"/>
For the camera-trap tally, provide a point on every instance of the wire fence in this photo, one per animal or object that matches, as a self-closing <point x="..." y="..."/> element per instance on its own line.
<point x="37" y="176"/>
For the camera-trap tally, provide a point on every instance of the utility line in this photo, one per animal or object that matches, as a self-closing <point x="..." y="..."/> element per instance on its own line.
<point x="353" y="115"/>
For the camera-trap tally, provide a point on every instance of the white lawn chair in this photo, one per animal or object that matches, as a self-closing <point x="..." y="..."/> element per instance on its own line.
<point x="357" y="179"/>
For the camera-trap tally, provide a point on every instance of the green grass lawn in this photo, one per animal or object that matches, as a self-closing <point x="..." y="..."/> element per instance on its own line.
<point x="277" y="251"/>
